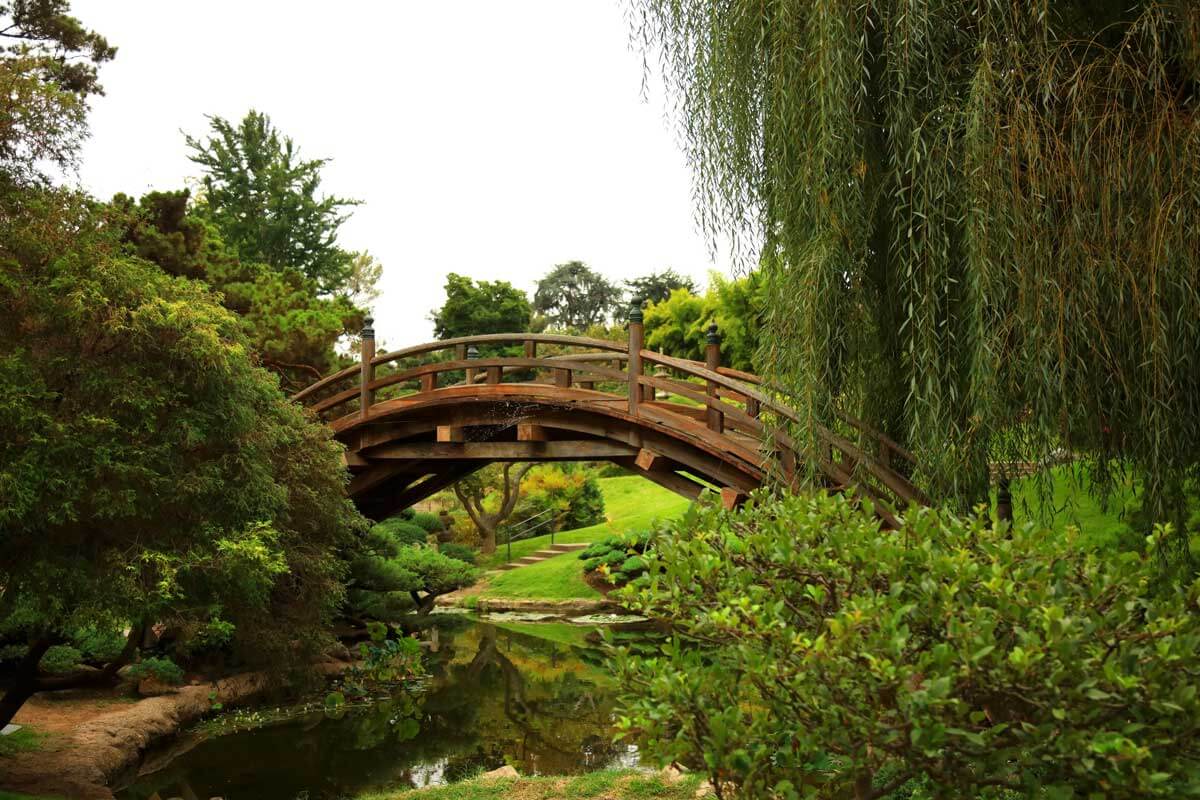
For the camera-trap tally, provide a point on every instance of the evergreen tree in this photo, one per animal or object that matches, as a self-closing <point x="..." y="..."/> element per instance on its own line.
<point x="574" y="297"/>
<point x="264" y="198"/>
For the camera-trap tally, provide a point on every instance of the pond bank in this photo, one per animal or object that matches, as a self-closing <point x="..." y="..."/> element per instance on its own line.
<point x="81" y="759"/>
<point x="505" y="784"/>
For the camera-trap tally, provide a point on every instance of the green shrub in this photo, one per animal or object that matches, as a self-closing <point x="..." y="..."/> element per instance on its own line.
<point x="161" y="669"/>
<point x="402" y="531"/>
<point x="458" y="551"/>
<point x="61" y="658"/>
<point x="964" y="660"/>
<point x="621" y="556"/>
<point x="430" y="523"/>
<point x="568" y="495"/>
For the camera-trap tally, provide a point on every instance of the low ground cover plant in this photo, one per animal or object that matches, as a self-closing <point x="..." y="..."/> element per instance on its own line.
<point x="617" y="559"/>
<point x="817" y="655"/>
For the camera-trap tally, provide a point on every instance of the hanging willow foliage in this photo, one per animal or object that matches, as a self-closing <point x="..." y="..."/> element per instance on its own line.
<point x="979" y="220"/>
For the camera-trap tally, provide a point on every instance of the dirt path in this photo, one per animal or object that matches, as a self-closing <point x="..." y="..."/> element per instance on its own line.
<point x="95" y="737"/>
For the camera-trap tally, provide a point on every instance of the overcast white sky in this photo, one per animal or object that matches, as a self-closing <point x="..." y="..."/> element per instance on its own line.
<point x="493" y="139"/>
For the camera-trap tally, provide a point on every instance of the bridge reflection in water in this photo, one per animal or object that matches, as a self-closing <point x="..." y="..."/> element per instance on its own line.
<point x="416" y="420"/>
<point x="536" y="695"/>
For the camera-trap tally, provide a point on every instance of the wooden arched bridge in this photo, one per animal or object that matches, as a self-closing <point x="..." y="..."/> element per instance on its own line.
<point x="418" y="419"/>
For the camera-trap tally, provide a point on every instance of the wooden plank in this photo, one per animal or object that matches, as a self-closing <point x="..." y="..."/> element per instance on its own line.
<point x="529" y="432"/>
<point x="353" y="460"/>
<point x="671" y="481"/>
<point x="732" y="498"/>
<point x="450" y="433"/>
<point x="361" y="484"/>
<point x="646" y="459"/>
<point x="493" y="374"/>
<point x="429" y="382"/>
<point x="562" y="378"/>
<point x="570" y="450"/>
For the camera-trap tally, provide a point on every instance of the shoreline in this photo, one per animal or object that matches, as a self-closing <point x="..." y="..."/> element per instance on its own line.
<point x="99" y="751"/>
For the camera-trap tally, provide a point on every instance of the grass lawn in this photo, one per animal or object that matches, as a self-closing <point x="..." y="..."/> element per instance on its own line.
<point x="1070" y="504"/>
<point x="630" y="502"/>
<point x="606" y="784"/>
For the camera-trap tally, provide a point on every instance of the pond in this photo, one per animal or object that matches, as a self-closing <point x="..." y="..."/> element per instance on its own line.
<point x="535" y="695"/>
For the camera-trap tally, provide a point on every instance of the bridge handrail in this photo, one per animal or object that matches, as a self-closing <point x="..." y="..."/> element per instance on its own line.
<point x="463" y="341"/>
<point x="719" y="385"/>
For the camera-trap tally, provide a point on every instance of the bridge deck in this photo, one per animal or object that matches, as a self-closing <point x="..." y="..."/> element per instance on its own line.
<point x="416" y="420"/>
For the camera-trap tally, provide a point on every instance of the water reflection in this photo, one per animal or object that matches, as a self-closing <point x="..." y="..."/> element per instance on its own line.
<point x="534" y="695"/>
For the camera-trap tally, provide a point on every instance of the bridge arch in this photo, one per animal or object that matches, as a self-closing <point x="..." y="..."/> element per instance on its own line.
<point x="418" y="419"/>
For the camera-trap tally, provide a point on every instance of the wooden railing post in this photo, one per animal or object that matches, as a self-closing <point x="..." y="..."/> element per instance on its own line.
<point x="712" y="360"/>
<point x="366" y="355"/>
<point x="637" y="335"/>
<point x="472" y="353"/>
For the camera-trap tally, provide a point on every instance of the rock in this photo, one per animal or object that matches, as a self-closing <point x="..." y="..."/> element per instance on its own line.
<point x="673" y="774"/>
<point x="504" y="772"/>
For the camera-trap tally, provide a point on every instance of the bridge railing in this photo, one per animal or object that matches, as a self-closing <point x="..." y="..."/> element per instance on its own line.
<point x="705" y="398"/>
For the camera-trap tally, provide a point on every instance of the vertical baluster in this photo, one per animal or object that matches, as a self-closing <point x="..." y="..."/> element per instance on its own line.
<point x="366" y="396"/>
<point x="636" y="340"/>
<point x="712" y="360"/>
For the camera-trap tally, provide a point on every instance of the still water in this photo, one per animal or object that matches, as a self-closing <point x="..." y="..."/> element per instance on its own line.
<point x="536" y="695"/>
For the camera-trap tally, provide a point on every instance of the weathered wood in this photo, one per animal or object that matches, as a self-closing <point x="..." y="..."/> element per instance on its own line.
<point x="567" y="450"/>
<point x="529" y="432"/>
<point x="715" y="418"/>
<point x="724" y="439"/>
<point x="732" y="498"/>
<point x="450" y="433"/>
<point x="671" y="481"/>
<point x="367" y="369"/>
<point x="646" y="459"/>
<point x="634" y="366"/>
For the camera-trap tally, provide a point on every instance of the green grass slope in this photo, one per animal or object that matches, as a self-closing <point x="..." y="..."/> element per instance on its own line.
<point x="630" y="503"/>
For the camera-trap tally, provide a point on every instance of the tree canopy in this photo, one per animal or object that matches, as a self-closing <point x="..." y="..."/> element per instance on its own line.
<point x="473" y="308"/>
<point x="264" y="198"/>
<point x="129" y="405"/>
<point x="657" y="286"/>
<point x="979" y="223"/>
<point x="48" y="62"/>
<point x="575" y="297"/>
<point x="292" y="327"/>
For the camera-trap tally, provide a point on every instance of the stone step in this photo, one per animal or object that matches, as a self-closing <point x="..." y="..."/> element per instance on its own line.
<point x="543" y="554"/>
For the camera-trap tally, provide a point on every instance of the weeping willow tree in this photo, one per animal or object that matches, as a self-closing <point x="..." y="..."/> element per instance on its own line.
<point x="979" y="220"/>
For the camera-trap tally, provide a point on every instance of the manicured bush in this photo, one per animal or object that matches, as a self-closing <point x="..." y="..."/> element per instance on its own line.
<point x="818" y="655"/>
<point x="61" y="658"/>
<point x="430" y="523"/>
<point x="161" y="669"/>
<point x="617" y="558"/>
<point x="402" y="531"/>
<point x="458" y="551"/>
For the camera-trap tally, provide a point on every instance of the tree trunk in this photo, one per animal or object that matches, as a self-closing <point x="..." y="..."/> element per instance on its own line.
<point x="487" y="539"/>
<point x="25" y="679"/>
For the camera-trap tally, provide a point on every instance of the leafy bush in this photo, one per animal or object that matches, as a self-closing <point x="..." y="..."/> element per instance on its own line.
<point x="430" y="523"/>
<point x="572" y="497"/>
<point x="161" y="669"/>
<point x="458" y="551"/>
<point x="402" y="531"/>
<point x="966" y="660"/>
<point x="387" y="577"/>
<point x="61" y="658"/>
<point x="618" y="558"/>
